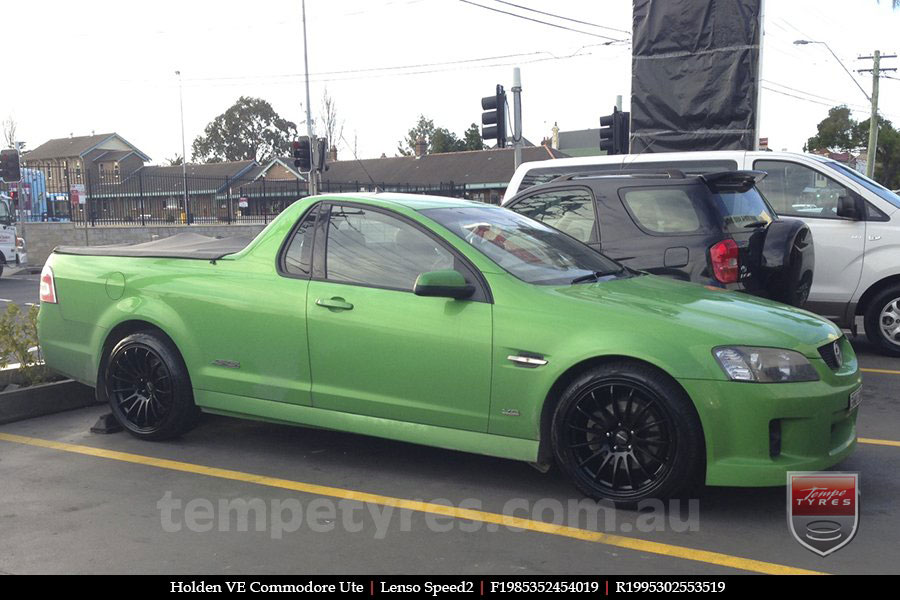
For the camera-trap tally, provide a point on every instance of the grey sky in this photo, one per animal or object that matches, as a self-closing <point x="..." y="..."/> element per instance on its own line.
<point x="109" y="65"/>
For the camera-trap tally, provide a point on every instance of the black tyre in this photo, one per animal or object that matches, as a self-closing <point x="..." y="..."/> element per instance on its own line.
<point x="626" y="432"/>
<point x="146" y="383"/>
<point x="882" y="321"/>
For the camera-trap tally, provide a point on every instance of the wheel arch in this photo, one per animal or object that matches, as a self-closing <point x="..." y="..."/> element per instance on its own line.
<point x="545" y="451"/>
<point x="126" y="328"/>
<point x="873" y="290"/>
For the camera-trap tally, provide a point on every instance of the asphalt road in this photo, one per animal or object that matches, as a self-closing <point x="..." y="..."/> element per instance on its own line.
<point x="76" y="502"/>
<point x="20" y="288"/>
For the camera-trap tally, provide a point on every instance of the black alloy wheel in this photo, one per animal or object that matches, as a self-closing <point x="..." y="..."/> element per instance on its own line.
<point x="146" y="384"/>
<point x="626" y="437"/>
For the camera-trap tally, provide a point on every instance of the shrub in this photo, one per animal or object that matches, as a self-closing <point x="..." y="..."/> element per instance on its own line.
<point x="19" y="344"/>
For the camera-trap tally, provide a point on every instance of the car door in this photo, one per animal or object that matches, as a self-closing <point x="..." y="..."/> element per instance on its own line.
<point x="378" y="349"/>
<point x="797" y="190"/>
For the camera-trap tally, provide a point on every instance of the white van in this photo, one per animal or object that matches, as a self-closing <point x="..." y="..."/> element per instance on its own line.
<point x="12" y="247"/>
<point x="855" y="224"/>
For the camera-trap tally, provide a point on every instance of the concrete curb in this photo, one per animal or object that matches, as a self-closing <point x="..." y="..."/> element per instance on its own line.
<point x="44" y="399"/>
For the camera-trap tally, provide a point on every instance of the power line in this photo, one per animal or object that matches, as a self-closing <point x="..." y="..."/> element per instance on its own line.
<point x="518" y="16"/>
<point x="555" y="16"/>
<point x="379" y="69"/>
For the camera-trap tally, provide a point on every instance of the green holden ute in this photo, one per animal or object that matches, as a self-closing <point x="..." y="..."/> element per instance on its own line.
<point x="459" y="325"/>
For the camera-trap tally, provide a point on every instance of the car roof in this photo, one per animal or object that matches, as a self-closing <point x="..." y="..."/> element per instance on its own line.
<point x="411" y="201"/>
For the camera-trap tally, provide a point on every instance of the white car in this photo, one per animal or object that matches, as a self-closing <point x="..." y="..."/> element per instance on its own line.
<point x="855" y="224"/>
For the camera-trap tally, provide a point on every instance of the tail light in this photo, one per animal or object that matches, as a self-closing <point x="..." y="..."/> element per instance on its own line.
<point x="724" y="259"/>
<point x="48" y="286"/>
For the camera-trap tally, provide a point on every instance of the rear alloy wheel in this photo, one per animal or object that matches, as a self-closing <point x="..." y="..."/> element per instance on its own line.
<point x="145" y="381"/>
<point x="882" y="321"/>
<point x="625" y="432"/>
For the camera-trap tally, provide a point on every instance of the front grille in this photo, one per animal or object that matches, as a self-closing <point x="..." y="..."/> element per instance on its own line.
<point x="831" y="359"/>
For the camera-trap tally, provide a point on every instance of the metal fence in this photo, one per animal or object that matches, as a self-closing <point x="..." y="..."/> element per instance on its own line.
<point x="57" y="193"/>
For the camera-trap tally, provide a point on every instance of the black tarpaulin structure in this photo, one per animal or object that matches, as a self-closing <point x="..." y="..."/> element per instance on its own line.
<point x="695" y="75"/>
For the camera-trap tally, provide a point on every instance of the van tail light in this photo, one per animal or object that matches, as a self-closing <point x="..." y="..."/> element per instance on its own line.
<point x="724" y="259"/>
<point x="48" y="286"/>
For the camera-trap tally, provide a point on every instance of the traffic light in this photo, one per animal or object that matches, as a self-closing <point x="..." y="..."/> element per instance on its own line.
<point x="302" y="154"/>
<point x="321" y="154"/>
<point x="9" y="165"/>
<point x="614" y="132"/>
<point x="493" y="119"/>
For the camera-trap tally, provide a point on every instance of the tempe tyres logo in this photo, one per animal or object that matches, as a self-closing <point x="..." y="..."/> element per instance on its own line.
<point x="823" y="509"/>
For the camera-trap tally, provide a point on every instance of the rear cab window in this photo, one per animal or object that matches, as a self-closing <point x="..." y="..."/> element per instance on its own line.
<point x="742" y="209"/>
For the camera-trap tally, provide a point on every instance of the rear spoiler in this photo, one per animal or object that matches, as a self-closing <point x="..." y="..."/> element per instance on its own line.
<point x="733" y="180"/>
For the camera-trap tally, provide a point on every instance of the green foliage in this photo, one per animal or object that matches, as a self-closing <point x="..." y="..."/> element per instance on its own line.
<point x="472" y="138"/>
<point x="836" y="132"/>
<point x="18" y="335"/>
<point x="840" y="132"/>
<point x="249" y="130"/>
<point x="440" y="139"/>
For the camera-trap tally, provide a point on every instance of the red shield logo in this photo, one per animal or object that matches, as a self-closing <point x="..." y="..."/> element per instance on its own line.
<point x="823" y="509"/>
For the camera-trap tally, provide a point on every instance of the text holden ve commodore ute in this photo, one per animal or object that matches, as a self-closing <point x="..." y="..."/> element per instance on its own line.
<point x="459" y="325"/>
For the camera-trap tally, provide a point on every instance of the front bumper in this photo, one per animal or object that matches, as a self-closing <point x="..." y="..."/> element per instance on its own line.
<point x="815" y="426"/>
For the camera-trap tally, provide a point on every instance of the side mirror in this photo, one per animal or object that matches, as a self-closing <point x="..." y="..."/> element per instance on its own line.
<point x="443" y="284"/>
<point x="849" y="207"/>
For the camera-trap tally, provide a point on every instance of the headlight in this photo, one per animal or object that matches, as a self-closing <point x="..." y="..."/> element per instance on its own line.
<point x="764" y="365"/>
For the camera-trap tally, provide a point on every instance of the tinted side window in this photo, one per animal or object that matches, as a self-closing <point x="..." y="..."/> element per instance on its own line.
<point x="372" y="248"/>
<point x="662" y="210"/>
<point x="799" y="191"/>
<point x="297" y="256"/>
<point x="570" y="211"/>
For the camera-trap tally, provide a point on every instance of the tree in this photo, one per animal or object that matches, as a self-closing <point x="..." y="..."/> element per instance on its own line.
<point x="249" y="130"/>
<point x="840" y="132"/>
<point x="836" y="132"/>
<point x="444" y="140"/>
<point x="424" y="129"/>
<point x="472" y="138"/>
<point x="334" y="127"/>
<point x="887" y="156"/>
<point x="440" y="139"/>
<point x="9" y="132"/>
<point x="175" y="161"/>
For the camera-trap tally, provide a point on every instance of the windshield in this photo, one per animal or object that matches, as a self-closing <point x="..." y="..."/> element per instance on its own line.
<point x="742" y="209"/>
<point x="873" y="186"/>
<point x="527" y="249"/>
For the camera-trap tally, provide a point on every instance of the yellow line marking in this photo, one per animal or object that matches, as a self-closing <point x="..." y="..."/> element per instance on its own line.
<point x="878" y="442"/>
<point x="715" y="558"/>
<point x="882" y="371"/>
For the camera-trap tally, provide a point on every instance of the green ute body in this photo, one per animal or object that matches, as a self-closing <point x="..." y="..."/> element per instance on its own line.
<point x="436" y="371"/>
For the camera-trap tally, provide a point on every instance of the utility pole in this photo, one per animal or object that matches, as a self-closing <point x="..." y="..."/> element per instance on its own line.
<point x="313" y="183"/>
<point x="518" y="141"/>
<point x="876" y="69"/>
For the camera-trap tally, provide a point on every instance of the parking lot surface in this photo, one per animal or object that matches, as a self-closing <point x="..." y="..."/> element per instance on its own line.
<point x="317" y="501"/>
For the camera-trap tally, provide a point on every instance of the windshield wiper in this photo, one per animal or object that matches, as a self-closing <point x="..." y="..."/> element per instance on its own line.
<point x="597" y="275"/>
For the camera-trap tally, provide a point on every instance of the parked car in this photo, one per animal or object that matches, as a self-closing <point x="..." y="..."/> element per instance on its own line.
<point x="12" y="246"/>
<point x="459" y="325"/>
<point x="714" y="229"/>
<point x="855" y="224"/>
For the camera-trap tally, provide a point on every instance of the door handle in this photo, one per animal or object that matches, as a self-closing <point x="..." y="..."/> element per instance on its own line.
<point x="335" y="303"/>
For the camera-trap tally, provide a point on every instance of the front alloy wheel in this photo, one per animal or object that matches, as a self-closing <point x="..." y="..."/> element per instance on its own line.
<point x="882" y="321"/>
<point x="625" y="432"/>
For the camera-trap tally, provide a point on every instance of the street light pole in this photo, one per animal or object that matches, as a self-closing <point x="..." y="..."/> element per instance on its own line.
<point x="846" y="70"/>
<point x="313" y="187"/>
<point x="187" y="211"/>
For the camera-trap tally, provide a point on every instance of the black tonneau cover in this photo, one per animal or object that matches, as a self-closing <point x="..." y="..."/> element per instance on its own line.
<point x="182" y="245"/>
